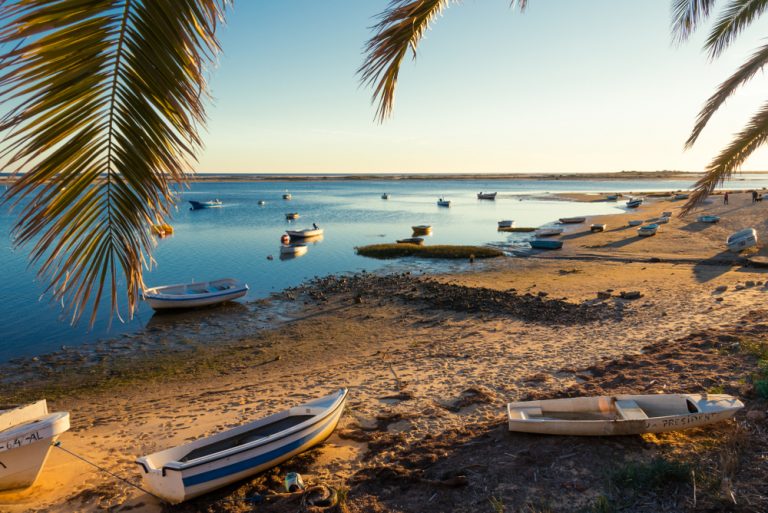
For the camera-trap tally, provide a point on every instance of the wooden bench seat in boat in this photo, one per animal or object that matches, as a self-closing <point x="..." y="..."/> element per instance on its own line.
<point x="629" y="410"/>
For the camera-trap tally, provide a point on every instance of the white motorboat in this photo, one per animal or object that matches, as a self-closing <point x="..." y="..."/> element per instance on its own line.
<point x="507" y="223"/>
<point x="26" y="436"/>
<point x="293" y="249"/>
<point x="548" y="232"/>
<point x="620" y="414"/>
<point x="742" y="240"/>
<point x="192" y="295"/>
<point x="190" y="470"/>
<point x="306" y="233"/>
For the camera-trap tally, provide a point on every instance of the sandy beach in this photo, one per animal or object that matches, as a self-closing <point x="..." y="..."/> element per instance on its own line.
<point x="431" y="363"/>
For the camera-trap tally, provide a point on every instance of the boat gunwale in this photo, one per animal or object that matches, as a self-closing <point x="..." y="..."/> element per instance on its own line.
<point x="155" y="292"/>
<point x="210" y="458"/>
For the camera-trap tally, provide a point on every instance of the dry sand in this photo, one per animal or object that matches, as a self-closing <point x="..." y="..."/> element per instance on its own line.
<point x="429" y="383"/>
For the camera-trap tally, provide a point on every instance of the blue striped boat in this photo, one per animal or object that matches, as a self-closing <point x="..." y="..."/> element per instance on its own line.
<point x="199" y="467"/>
<point x="546" y="244"/>
<point x="199" y="205"/>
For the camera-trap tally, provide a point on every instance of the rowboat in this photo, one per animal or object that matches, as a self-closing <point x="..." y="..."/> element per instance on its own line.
<point x="193" y="469"/>
<point x="666" y="214"/>
<point x="518" y="229"/>
<point x="681" y="196"/>
<point x="385" y="196"/>
<point x="306" y="233"/>
<point x="292" y="215"/>
<point x="620" y="414"/>
<point x="508" y="223"/>
<point x="598" y="227"/>
<point x="192" y="295"/>
<point x="546" y="244"/>
<point x="443" y="203"/>
<point x="287" y="196"/>
<point x="634" y="202"/>
<point x="549" y="232"/>
<point x="662" y="220"/>
<point x="421" y="229"/>
<point x="612" y="197"/>
<point x="742" y="240"/>
<point x="26" y="436"/>
<point x="708" y="219"/>
<point x="293" y="249"/>
<point x="486" y="195"/>
<point x="572" y="220"/>
<point x="411" y="240"/>
<point x="199" y="205"/>
<point x="648" y="230"/>
<point x="635" y="222"/>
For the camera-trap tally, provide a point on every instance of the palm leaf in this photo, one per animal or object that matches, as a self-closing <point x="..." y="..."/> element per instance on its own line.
<point x="734" y="18"/>
<point x="401" y="27"/>
<point x="105" y="101"/>
<point x="731" y="158"/>
<point x="687" y="15"/>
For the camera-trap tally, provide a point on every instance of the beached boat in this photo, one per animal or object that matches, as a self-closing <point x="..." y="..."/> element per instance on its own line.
<point x="287" y="196"/>
<point x="306" y="233"/>
<point x="385" y="196"/>
<point x="662" y="220"/>
<point x="442" y="202"/>
<point x="598" y="227"/>
<point x="190" y="470"/>
<point x="192" y="295"/>
<point x="26" y="436"/>
<point x="486" y="195"/>
<point x="635" y="222"/>
<point x="507" y="223"/>
<point x="620" y="414"/>
<point x="648" y="230"/>
<point x="634" y="202"/>
<point x="293" y="249"/>
<point x="546" y="244"/>
<point x="613" y="197"/>
<point x="421" y="229"/>
<point x="572" y="220"/>
<point x="742" y="240"/>
<point x="708" y="219"/>
<point x="199" y="205"/>
<point x="666" y="214"/>
<point x="518" y="229"/>
<point x="681" y="196"/>
<point x="411" y="240"/>
<point x="292" y="215"/>
<point x="549" y="232"/>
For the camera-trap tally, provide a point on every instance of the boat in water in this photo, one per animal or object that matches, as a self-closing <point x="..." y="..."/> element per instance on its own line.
<point x="572" y="220"/>
<point x="193" y="295"/>
<point x="193" y="469"/>
<point x="507" y="223"/>
<point x="306" y="233"/>
<point x="742" y="240"/>
<point x="287" y="196"/>
<point x="442" y="202"/>
<point x="411" y="240"/>
<point x="293" y="250"/>
<point x="422" y="229"/>
<point x="708" y="219"/>
<point x="385" y="196"/>
<point x="27" y="434"/>
<point x="546" y="244"/>
<point x="200" y="205"/>
<point x="648" y="230"/>
<point x="292" y="215"/>
<point x="620" y="414"/>
<point x="486" y="195"/>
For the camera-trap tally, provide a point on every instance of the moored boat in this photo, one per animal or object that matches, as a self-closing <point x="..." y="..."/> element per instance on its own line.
<point x="421" y="229"/>
<point x="598" y="227"/>
<point x="262" y="203"/>
<point x="549" y="232"/>
<point x="306" y="233"/>
<point x="411" y="240"/>
<point x="192" y="295"/>
<point x="546" y="244"/>
<point x="708" y="219"/>
<point x="287" y="196"/>
<point x="292" y="215"/>
<point x="507" y="223"/>
<point x="648" y="230"/>
<point x="634" y="202"/>
<point x="742" y="240"/>
<point x="442" y="202"/>
<point x="620" y="414"/>
<point x="572" y="220"/>
<point x="199" y="205"/>
<point x="26" y="436"/>
<point x="486" y="195"/>
<point x="190" y="470"/>
<point x="293" y="249"/>
<point x="385" y="196"/>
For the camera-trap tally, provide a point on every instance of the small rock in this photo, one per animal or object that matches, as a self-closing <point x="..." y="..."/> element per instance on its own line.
<point x="603" y="295"/>
<point x="721" y="288"/>
<point x="759" y="283"/>
<point x="632" y="294"/>
<point x="718" y="299"/>
<point x="543" y="294"/>
<point x="750" y="283"/>
<point x="756" y="415"/>
<point x="740" y="287"/>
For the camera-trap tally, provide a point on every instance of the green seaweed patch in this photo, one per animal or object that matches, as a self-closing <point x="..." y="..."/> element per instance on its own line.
<point x="385" y="251"/>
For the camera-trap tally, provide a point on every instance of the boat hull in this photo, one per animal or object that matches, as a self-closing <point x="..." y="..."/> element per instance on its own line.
<point x="487" y="196"/>
<point x="549" y="232"/>
<point x="572" y="220"/>
<point x="304" y="234"/>
<point x="185" y="482"/>
<point x="742" y="240"/>
<point x="546" y="244"/>
<point x="179" y="297"/>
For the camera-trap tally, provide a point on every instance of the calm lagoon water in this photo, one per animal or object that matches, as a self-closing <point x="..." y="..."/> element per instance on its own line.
<point x="235" y="240"/>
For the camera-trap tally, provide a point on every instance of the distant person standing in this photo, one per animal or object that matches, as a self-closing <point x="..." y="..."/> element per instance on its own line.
<point x="725" y="198"/>
<point x="754" y="196"/>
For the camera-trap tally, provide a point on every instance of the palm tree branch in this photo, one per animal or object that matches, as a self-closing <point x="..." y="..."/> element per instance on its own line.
<point x="734" y="18"/>
<point x="687" y="15"/>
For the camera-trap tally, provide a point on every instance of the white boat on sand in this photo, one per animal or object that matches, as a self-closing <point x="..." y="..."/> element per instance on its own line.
<point x="741" y="240"/>
<point x="548" y="232"/>
<point x="192" y="295"/>
<point x="572" y="220"/>
<point x="620" y="414"/>
<point x="196" y="468"/>
<point x="635" y="222"/>
<point x="26" y="436"/>
<point x="306" y="233"/>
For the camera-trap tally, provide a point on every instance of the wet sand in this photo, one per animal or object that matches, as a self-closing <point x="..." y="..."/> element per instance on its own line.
<point x="431" y="362"/>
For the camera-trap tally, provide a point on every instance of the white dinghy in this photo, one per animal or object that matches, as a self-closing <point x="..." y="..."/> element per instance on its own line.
<point x="620" y="414"/>
<point x="26" y="436"/>
<point x="741" y="240"/>
<point x="293" y="250"/>
<point x="306" y="233"/>
<point x="190" y="470"/>
<point x="549" y="232"/>
<point x="192" y="295"/>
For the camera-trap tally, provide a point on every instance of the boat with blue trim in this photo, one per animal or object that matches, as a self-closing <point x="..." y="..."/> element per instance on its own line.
<point x="546" y="244"/>
<point x="193" y="295"/>
<point x="190" y="470"/>
<point x="199" y="205"/>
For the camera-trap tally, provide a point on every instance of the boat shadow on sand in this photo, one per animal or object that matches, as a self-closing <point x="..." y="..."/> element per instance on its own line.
<point x="710" y="268"/>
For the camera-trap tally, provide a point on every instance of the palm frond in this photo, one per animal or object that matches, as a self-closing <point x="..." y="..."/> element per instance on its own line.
<point x="744" y="74"/>
<point x="734" y="18"/>
<point x="731" y="158"/>
<point x="105" y="101"/>
<point x="687" y="15"/>
<point x="402" y="25"/>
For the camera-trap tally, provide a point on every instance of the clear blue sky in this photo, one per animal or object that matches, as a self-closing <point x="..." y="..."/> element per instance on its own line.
<point x="565" y="87"/>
